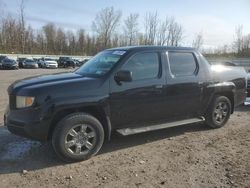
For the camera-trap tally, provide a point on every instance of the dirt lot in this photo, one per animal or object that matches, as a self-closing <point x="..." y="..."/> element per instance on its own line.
<point x="186" y="156"/>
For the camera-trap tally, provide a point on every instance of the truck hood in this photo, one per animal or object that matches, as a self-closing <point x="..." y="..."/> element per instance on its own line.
<point x="61" y="80"/>
<point x="9" y="63"/>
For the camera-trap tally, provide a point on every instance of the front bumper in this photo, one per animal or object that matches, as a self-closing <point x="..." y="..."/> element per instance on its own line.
<point x="51" y="66"/>
<point x="247" y="102"/>
<point x="30" y="66"/>
<point x="9" y="66"/>
<point x="27" y="123"/>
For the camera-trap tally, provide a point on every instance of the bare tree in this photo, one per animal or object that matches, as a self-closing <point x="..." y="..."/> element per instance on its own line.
<point x="71" y="42"/>
<point x="29" y="42"/>
<point x="198" y="41"/>
<point x="60" y="41"/>
<point x="151" y="23"/>
<point x="9" y="33"/>
<point x="40" y="40"/>
<point x="246" y="45"/>
<point x="18" y="37"/>
<point x="239" y="39"/>
<point x="22" y="25"/>
<point x="50" y="35"/>
<point x="175" y="33"/>
<point x="131" y="29"/>
<point x="242" y="42"/>
<point x="163" y="32"/>
<point x="81" y="41"/>
<point x="105" y="24"/>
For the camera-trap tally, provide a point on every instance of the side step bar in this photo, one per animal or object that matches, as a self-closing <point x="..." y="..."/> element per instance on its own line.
<point x="130" y="131"/>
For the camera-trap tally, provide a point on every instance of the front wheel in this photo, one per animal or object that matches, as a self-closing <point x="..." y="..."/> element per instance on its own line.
<point x="77" y="137"/>
<point x="218" y="112"/>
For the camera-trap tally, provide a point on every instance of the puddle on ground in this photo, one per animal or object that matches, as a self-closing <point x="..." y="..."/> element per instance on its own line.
<point x="3" y="131"/>
<point x="17" y="150"/>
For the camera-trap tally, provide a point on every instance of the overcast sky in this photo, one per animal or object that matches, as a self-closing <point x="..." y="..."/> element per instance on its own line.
<point x="216" y="19"/>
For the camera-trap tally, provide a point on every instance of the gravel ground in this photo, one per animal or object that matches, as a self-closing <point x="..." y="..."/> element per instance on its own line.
<point x="185" y="156"/>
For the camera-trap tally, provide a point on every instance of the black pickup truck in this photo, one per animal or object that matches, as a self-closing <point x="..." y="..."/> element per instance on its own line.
<point x="129" y="90"/>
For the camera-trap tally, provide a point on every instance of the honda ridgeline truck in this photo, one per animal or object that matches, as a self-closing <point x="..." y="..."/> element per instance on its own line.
<point x="128" y="90"/>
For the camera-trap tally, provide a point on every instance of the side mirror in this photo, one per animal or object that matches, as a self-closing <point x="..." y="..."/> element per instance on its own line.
<point x="123" y="76"/>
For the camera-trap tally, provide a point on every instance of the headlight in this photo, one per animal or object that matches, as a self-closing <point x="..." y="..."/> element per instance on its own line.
<point x="23" y="101"/>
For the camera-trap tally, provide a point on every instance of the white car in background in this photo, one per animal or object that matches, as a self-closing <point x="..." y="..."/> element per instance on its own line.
<point x="48" y="63"/>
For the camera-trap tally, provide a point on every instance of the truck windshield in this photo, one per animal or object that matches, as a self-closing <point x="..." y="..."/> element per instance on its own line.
<point x="101" y="63"/>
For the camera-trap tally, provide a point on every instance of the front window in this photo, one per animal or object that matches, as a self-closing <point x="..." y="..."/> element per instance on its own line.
<point x="9" y="61"/>
<point x="101" y="63"/>
<point x="143" y="66"/>
<point x="48" y="59"/>
<point x="30" y="61"/>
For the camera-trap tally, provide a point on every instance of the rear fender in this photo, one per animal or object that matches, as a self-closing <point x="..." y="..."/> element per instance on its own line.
<point x="227" y="89"/>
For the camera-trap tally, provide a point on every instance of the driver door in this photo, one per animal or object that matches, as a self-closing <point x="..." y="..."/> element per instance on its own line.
<point x="138" y="102"/>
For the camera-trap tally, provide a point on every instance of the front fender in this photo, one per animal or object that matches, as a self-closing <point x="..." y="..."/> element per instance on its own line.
<point x="96" y="106"/>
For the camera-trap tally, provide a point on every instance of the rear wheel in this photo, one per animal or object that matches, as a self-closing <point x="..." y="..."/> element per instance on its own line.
<point x="219" y="112"/>
<point x="77" y="137"/>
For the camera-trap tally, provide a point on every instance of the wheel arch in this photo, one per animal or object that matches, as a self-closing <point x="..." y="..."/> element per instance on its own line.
<point x="230" y="96"/>
<point x="226" y="89"/>
<point x="97" y="111"/>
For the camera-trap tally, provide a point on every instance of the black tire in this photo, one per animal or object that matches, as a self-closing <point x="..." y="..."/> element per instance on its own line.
<point x="62" y="137"/>
<point x="218" y="112"/>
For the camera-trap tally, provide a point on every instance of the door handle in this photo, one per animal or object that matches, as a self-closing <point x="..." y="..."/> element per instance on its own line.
<point x="159" y="86"/>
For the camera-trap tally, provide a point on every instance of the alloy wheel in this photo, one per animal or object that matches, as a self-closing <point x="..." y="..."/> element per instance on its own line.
<point x="220" y="112"/>
<point x="80" y="139"/>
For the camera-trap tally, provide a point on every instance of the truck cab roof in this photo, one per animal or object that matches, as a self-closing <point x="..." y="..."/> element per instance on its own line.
<point x="147" y="47"/>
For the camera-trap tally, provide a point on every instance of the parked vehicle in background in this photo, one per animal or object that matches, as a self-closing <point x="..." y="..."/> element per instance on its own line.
<point x="247" y="102"/>
<point x="70" y="63"/>
<point x="62" y="60"/>
<point x="36" y="59"/>
<point x="30" y="63"/>
<point x="2" y="57"/>
<point x="39" y="61"/>
<point x="248" y="84"/>
<point x="20" y="61"/>
<point x="83" y="61"/>
<point x="7" y="63"/>
<point x="48" y="63"/>
<point x="66" y="62"/>
<point x="228" y="63"/>
<point x="77" y="62"/>
<point x="128" y="90"/>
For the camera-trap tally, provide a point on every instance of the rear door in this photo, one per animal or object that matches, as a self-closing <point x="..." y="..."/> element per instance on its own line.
<point x="183" y="91"/>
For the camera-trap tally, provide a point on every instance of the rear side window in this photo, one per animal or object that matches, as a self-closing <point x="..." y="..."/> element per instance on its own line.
<point x="182" y="63"/>
<point x="143" y="65"/>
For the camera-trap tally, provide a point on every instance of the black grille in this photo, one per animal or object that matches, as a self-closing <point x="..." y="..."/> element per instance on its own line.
<point x="248" y="88"/>
<point x="12" y="101"/>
